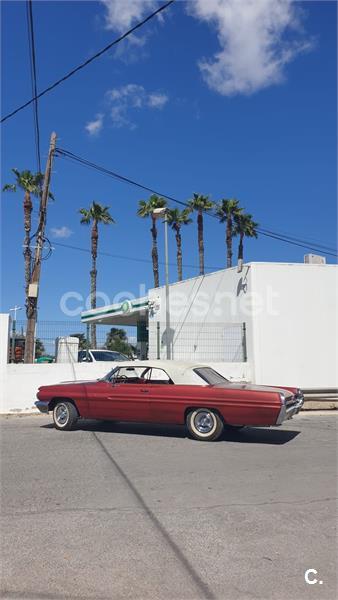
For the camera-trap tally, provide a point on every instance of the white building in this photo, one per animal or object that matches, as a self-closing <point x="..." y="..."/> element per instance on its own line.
<point x="271" y="323"/>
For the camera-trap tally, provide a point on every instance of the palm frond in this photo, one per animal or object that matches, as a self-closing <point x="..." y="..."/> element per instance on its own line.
<point x="9" y="187"/>
<point x="199" y="202"/>
<point x="146" y="207"/>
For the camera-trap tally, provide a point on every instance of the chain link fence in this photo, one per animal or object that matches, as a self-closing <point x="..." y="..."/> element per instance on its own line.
<point x="48" y="332"/>
<point x="219" y="342"/>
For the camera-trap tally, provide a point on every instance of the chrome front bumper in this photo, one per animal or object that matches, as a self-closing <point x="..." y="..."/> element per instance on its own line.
<point x="287" y="412"/>
<point x="42" y="406"/>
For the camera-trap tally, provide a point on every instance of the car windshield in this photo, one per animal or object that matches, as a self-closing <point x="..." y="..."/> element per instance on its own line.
<point x="106" y="355"/>
<point x="127" y="373"/>
<point x="210" y="376"/>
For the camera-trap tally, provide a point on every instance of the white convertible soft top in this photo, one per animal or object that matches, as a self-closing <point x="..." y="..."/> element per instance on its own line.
<point x="181" y="373"/>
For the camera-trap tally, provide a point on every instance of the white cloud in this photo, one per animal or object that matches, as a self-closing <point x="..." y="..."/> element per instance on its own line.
<point x="122" y="14"/>
<point x="61" y="232"/>
<point x="129" y="98"/>
<point x="254" y="51"/>
<point x="94" y="127"/>
<point x="257" y="38"/>
<point x="157" y="100"/>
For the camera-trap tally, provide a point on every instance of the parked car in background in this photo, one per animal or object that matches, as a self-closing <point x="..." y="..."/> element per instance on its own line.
<point x="101" y="355"/>
<point x="173" y="393"/>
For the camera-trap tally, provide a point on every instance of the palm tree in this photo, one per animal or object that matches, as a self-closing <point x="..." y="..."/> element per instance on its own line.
<point x="95" y="214"/>
<point x="146" y="208"/>
<point x="200" y="204"/>
<point x="31" y="184"/>
<point x="177" y="218"/>
<point x="226" y="212"/>
<point x="244" y="227"/>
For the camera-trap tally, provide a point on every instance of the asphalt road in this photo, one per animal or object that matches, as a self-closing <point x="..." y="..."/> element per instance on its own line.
<point x="130" y="511"/>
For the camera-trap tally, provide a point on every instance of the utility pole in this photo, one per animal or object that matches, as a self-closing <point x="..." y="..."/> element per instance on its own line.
<point x="33" y="289"/>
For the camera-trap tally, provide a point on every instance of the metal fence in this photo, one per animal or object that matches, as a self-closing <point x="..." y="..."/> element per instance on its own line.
<point x="47" y="332"/>
<point x="219" y="342"/>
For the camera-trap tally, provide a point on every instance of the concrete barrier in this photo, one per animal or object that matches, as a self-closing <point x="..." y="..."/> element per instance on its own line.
<point x="20" y="382"/>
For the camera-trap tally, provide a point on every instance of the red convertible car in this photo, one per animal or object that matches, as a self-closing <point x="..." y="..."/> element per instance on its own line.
<point x="173" y="393"/>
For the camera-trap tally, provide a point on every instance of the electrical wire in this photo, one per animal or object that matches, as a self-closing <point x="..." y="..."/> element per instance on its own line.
<point x="319" y="245"/>
<point x="88" y="61"/>
<point x="86" y="163"/>
<point x="32" y="60"/>
<point x="313" y="241"/>
<point x="131" y="258"/>
<point x="61" y="152"/>
<point x="294" y="243"/>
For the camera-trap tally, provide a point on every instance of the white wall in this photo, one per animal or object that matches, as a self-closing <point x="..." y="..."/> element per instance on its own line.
<point x="4" y="337"/>
<point x="20" y="382"/>
<point x="295" y="341"/>
<point x="200" y="310"/>
<point x="291" y="316"/>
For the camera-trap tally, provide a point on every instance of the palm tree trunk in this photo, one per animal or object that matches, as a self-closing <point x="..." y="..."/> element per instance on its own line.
<point x="200" y="241"/>
<point x="27" y="208"/>
<point x="179" y="254"/>
<point x="154" y="253"/>
<point x="229" y="242"/>
<point x="93" y="277"/>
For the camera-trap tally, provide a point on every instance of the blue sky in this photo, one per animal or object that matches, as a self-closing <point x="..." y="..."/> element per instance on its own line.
<point x="257" y="125"/>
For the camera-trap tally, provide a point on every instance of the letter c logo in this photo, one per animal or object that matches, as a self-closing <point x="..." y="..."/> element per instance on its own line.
<point x="306" y="576"/>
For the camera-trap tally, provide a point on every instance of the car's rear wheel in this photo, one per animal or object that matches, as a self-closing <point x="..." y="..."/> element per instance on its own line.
<point x="204" y="424"/>
<point x="65" y="415"/>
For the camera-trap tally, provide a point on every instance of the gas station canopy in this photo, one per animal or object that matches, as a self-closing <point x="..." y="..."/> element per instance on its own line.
<point x="128" y="312"/>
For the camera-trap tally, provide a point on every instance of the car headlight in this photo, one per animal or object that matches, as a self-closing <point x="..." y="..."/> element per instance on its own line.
<point x="282" y="398"/>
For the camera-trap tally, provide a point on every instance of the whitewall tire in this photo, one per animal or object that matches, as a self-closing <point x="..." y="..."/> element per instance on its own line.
<point x="204" y="424"/>
<point x="65" y="415"/>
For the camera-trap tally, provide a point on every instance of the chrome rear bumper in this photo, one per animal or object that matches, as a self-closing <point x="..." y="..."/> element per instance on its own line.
<point x="42" y="406"/>
<point x="287" y="412"/>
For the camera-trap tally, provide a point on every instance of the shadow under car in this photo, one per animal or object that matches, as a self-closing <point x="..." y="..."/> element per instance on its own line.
<point x="247" y="435"/>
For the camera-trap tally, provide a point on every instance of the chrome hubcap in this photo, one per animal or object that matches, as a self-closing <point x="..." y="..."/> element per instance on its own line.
<point x="204" y="422"/>
<point x="61" y="414"/>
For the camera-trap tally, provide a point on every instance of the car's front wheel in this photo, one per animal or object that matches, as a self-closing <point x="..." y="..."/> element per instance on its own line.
<point x="65" y="415"/>
<point x="204" y="424"/>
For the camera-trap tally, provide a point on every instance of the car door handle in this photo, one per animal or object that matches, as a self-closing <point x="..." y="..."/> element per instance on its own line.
<point x="144" y="391"/>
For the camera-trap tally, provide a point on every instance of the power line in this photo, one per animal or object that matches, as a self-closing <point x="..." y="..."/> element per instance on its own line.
<point x="32" y="60"/>
<point x="300" y="244"/>
<point x="131" y="258"/>
<point x="265" y="232"/>
<point x="295" y="239"/>
<point x="88" y="61"/>
<point x="309" y="240"/>
<point x="86" y="163"/>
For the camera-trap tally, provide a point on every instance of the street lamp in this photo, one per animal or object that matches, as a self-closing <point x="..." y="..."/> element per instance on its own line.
<point x="14" y="310"/>
<point x="158" y="213"/>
